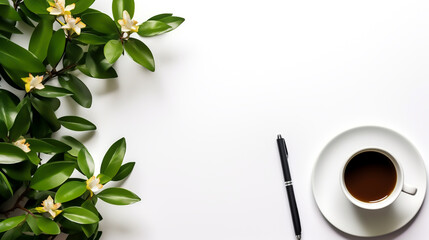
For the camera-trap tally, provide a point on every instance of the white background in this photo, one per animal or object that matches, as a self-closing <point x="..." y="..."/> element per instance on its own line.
<point x="202" y="128"/>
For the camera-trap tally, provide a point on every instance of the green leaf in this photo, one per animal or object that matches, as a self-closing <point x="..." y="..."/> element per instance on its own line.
<point x="84" y="69"/>
<point x="104" y="178"/>
<point x="54" y="103"/>
<point x="140" y="53"/>
<point x="4" y="2"/>
<point x="9" y="12"/>
<point x="11" y="154"/>
<point x="25" y="18"/>
<point x="34" y="159"/>
<point x="81" y="93"/>
<point x="118" y="196"/>
<point x="80" y="215"/>
<point x="31" y="220"/>
<point x="160" y="16"/>
<point x="73" y="54"/>
<point x="48" y="226"/>
<point x="173" y="21"/>
<point x="15" y="76"/>
<point x="90" y="10"/>
<point x="69" y="191"/>
<point x="14" y="233"/>
<point x="152" y="28"/>
<point x="7" y="26"/>
<point x="42" y="145"/>
<point x="28" y="13"/>
<point x="39" y="196"/>
<point x="25" y="102"/>
<point x="5" y="188"/>
<point x="51" y="175"/>
<point x="7" y="108"/>
<point x="5" y="34"/>
<point x="3" y="129"/>
<point x="124" y="171"/>
<point x="21" y="124"/>
<point x="43" y="129"/>
<point x="85" y="163"/>
<point x="113" y="158"/>
<point x="76" y="123"/>
<point x="11" y="223"/>
<point x="56" y="47"/>
<point x="118" y="6"/>
<point x="77" y="234"/>
<point x="72" y="228"/>
<point x="18" y="171"/>
<point x="92" y="39"/>
<point x="100" y="22"/>
<point x="97" y="64"/>
<point x="90" y="205"/>
<point x="97" y="236"/>
<point x="60" y="157"/>
<point x="39" y="41"/>
<point x="60" y="147"/>
<point x="113" y="50"/>
<point x="47" y="112"/>
<point x="15" y="57"/>
<point x="14" y="99"/>
<point x="81" y="5"/>
<point x="75" y="144"/>
<point x="37" y="6"/>
<point x="15" y="83"/>
<point x="53" y="92"/>
<point x="89" y="229"/>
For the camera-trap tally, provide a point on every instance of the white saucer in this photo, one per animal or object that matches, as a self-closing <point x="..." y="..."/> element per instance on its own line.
<point x="334" y="205"/>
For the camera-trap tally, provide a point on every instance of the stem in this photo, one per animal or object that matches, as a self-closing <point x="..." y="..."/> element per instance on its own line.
<point x="54" y="73"/>
<point x="16" y="4"/>
<point x="66" y="68"/>
<point x="121" y="37"/>
<point x="64" y="53"/>
<point x="26" y="210"/>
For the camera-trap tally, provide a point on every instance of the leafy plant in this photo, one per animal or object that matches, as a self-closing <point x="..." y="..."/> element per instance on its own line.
<point x="39" y="198"/>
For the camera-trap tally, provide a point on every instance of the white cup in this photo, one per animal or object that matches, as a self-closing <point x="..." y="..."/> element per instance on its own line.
<point x="399" y="186"/>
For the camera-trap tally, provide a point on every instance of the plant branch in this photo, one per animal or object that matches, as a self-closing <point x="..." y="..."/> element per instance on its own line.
<point x="64" y="53"/>
<point x="25" y="210"/>
<point x="55" y="73"/>
<point x="16" y="4"/>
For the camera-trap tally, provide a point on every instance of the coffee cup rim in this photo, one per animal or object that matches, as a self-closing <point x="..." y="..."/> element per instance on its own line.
<point x="384" y="202"/>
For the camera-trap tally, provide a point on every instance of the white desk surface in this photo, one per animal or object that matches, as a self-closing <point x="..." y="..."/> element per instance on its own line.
<point x="202" y="128"/>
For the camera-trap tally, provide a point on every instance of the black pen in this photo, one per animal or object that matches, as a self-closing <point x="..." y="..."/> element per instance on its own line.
<point x="288" y="183"/>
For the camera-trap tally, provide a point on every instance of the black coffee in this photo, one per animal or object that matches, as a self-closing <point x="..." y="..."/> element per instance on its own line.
<point x="370" y="176"/>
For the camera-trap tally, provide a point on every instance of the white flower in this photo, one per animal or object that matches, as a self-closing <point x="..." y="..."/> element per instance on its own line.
<point x="74" y="24"/>
<point x="33" y="82"/>
<point x="93" y="184"/>
<point x="127" y="24"/>
<point x="21" y="144"/>
<point x="50" y="207"/>
<point x="57" y="8"/>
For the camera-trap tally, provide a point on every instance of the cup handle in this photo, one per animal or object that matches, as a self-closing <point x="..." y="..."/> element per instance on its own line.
<point x="410" y="190"/>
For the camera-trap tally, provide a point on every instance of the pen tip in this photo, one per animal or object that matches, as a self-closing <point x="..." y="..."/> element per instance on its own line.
<point x="279" y="136"/>
<point x="298" y="237"/>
